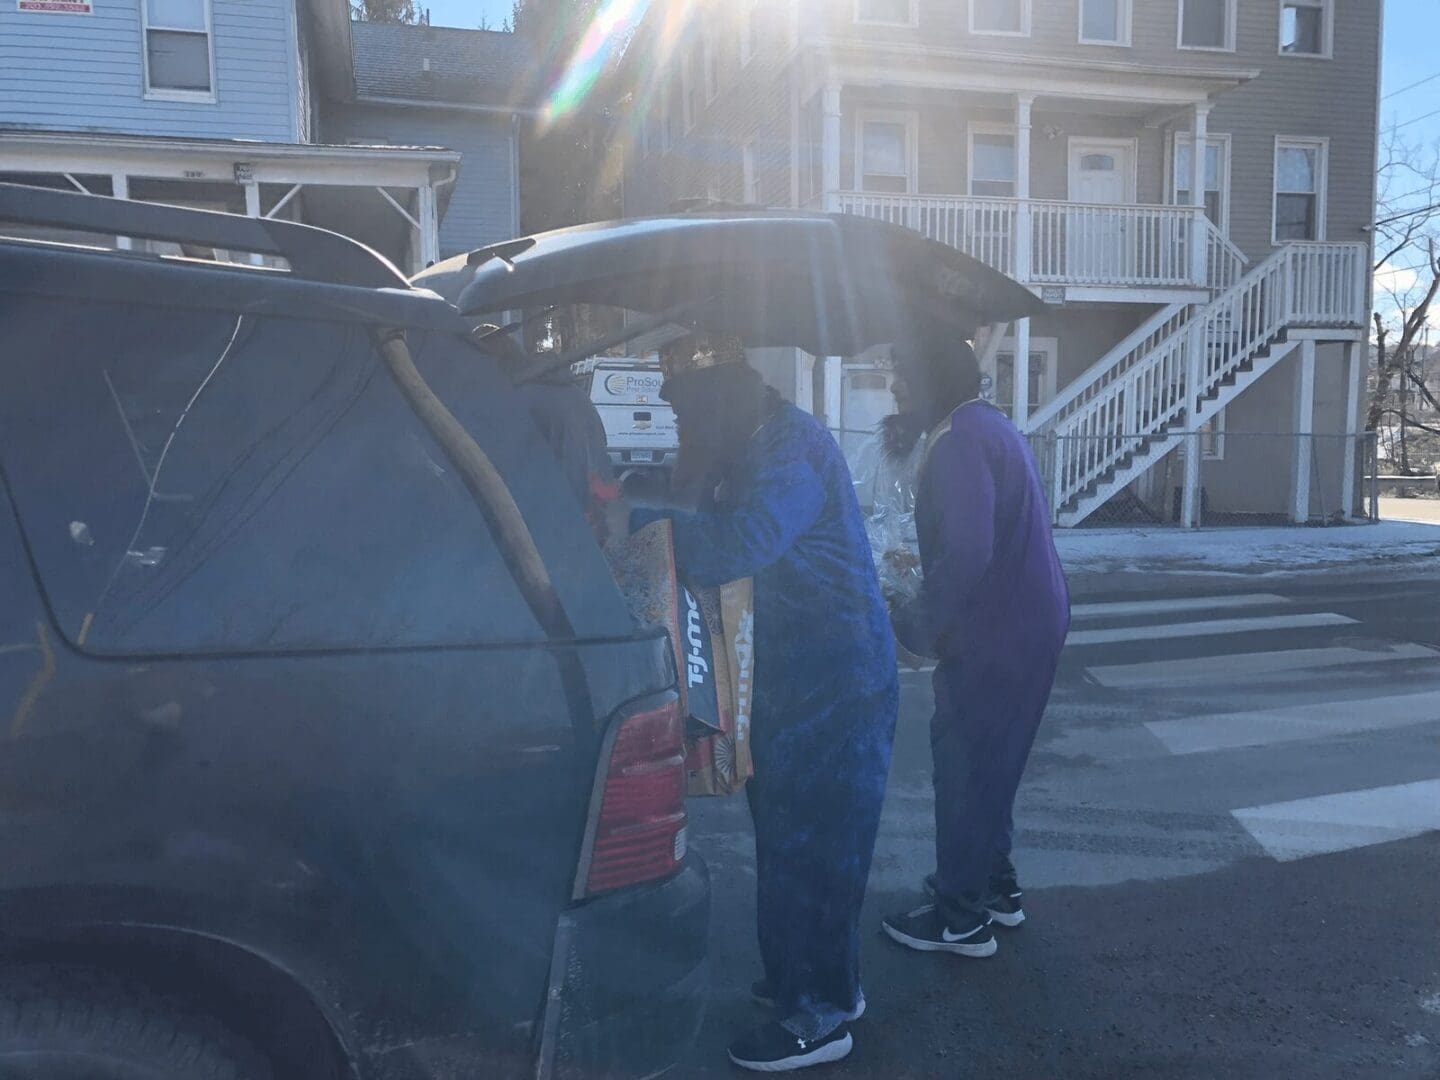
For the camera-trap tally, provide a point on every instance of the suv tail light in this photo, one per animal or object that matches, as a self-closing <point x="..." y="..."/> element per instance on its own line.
<point x="639" y="830"/>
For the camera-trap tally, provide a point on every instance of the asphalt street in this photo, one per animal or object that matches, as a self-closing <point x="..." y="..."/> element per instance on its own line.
<point x="1227" y="834"/>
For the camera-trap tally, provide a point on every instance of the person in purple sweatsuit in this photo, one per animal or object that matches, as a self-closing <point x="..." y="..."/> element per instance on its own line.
<point x="994" y="610"/>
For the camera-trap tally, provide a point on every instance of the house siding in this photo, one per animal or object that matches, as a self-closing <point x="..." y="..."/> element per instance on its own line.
<point x="86" y="73"/>
<point x="482" y="204"/>
<point x="754" y="102"/>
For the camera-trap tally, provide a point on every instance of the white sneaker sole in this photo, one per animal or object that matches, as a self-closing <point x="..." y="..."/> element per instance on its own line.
<point x="957" y="948"/>
<point x="821" y="1055"/>
<point x="770" y="1004"/>
<point x="1009" y="919"/>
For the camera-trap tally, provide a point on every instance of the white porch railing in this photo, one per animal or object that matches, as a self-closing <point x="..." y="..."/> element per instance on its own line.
<point x="1068" y="243"/>
<point x="982" y="228"/>
<point x="1165" y="373"/>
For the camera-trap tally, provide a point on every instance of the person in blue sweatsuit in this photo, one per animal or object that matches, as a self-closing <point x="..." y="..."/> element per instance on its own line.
<point x="780" y="508"/>
<point x="994" y="609"/>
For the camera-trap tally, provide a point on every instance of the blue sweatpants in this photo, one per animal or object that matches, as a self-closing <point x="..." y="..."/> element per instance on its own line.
<point x="986" y="716"/>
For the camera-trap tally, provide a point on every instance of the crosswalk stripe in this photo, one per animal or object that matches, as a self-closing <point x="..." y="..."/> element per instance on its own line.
<point x="1202" y="669"/>
<point x="1206" y="628"/>
<point x="1130" y="608"/>
<point x="1228" y="731"/>
<point x="1329" y="823"/>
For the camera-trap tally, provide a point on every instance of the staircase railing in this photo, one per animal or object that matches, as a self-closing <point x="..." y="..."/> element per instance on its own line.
<point x="1133" y="396"/>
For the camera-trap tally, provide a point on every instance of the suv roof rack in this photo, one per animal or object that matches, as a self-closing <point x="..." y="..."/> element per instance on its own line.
<point x="313" y="254"/>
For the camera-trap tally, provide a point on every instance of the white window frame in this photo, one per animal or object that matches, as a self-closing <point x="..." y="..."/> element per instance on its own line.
<point x="1322" y="182"/>
<point x="1232" y="15"/>
<point x="1327" y="29"/>
<point x="749" y="175"/>
<point x="907" y="117"/>
<point x="912" y="21"/>
<point x="1049" y="347"/>
<point x="1025" y="22"/>
<point x="989" y="129"/>
<point x="709" y="64"/>
<point x="687" y="85"/>
<point x="1172" y="183"/>
<point x="1125" y="18"/>
<point x="748" y="38"/>
<point x="1215" y="437"/>
<point x="162" y="93"/>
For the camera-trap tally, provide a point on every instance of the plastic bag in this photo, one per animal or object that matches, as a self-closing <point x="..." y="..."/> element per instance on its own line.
<point x="885" y="484"/>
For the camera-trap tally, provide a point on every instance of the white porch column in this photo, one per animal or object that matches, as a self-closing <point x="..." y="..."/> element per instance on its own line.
<point x="1024" y="240"/>
<point x="1022" y="374"/>
<point x="1199" y="247"/>
<point x="1194" y="448"/>
<point x="120" y="187"/>
<point x="429" y="226"/>
<point x="1304" y="428"/>
<point x="1354" y="380"/>
<point x="834" y="375"/>
<point x="804" y="380"/>
<point x="252" y="209"/>
<point x="830" y="146"/>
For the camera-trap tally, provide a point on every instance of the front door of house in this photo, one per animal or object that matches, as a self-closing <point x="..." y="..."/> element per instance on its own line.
<point x="1102" y="175"/>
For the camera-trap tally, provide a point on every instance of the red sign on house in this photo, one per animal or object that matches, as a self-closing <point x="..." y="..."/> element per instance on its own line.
<point x="57" y="7"/>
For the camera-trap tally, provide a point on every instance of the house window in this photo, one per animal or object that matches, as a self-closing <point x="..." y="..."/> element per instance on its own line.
<point x="885" y="162"/>
<point x="1305" y="27"/>
<point x="1000" y="17"/>
<point x="750" y="173"/>
<point x="177" y="48"/>
<point x="1212" y="437"/>
<point x="992" y="163"/>
<point x="892" y="12"/>
<point x="1207" y="24"/>
<point x="711" y="62"/>
<point x="1299" y="189"/>
<point x="1105" y="22"/>
<point x="1217" y="178"/>
<point x="749" y="30"/>
<point x="690" y="72"/>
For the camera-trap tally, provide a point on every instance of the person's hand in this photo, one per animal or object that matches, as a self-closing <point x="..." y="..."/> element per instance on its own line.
<point x="903" y="560"/>
<point x="617" y="519"/>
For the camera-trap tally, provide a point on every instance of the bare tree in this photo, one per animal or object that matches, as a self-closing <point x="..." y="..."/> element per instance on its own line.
<point x="1407" y="282"/>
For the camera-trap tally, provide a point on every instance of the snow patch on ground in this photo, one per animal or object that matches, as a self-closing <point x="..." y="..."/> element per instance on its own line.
<point x="1244" y="550"/>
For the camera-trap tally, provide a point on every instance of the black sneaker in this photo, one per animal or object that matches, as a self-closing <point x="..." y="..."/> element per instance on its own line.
<point x="1004" y="905"/>
<point x="925" y="929"/>
<point x="762" y="993"/>
<point x="773" y="1048"/>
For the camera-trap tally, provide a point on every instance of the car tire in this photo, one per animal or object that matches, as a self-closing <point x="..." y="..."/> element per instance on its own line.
<point x="74" y="1023"/>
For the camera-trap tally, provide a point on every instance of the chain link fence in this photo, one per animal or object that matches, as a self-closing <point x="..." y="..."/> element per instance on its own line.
<point x="1245" y="478"/>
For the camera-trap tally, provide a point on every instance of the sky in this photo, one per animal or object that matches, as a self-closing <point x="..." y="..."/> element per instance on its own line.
<point x="468" y="13"/>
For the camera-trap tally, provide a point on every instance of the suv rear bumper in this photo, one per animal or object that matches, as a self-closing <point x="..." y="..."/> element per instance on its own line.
<point x="629" y="980"/>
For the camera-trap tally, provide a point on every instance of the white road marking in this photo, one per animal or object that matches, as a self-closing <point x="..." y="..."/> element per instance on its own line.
<point x="1130" y="608"/>
<point x="1205" y="669"/>
<point x="1227" y="731"/>
<point x="1206" y="628"/>
<point x="1351" y="819"/>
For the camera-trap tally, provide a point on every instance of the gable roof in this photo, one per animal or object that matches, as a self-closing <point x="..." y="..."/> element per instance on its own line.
<point x="465" y="67"/>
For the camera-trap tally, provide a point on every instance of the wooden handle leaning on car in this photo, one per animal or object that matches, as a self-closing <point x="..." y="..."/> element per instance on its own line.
<point x="512" y="534"/>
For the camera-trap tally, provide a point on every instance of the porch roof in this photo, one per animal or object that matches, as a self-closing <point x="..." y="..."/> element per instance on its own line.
<point x="217" y="159"/>
<point x="1145" y="87"/>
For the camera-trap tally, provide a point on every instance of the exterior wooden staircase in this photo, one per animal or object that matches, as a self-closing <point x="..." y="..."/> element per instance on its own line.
<point x="1159" y="386"/>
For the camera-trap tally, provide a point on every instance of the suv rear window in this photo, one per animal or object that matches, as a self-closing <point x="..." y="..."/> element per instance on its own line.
<point x="197" y="480"/>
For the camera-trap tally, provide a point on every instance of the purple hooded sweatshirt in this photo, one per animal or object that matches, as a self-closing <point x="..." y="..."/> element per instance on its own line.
<point x="994" y="587"/>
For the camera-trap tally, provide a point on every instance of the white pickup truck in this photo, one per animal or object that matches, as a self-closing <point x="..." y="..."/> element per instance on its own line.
<point x="639" y="427"/>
